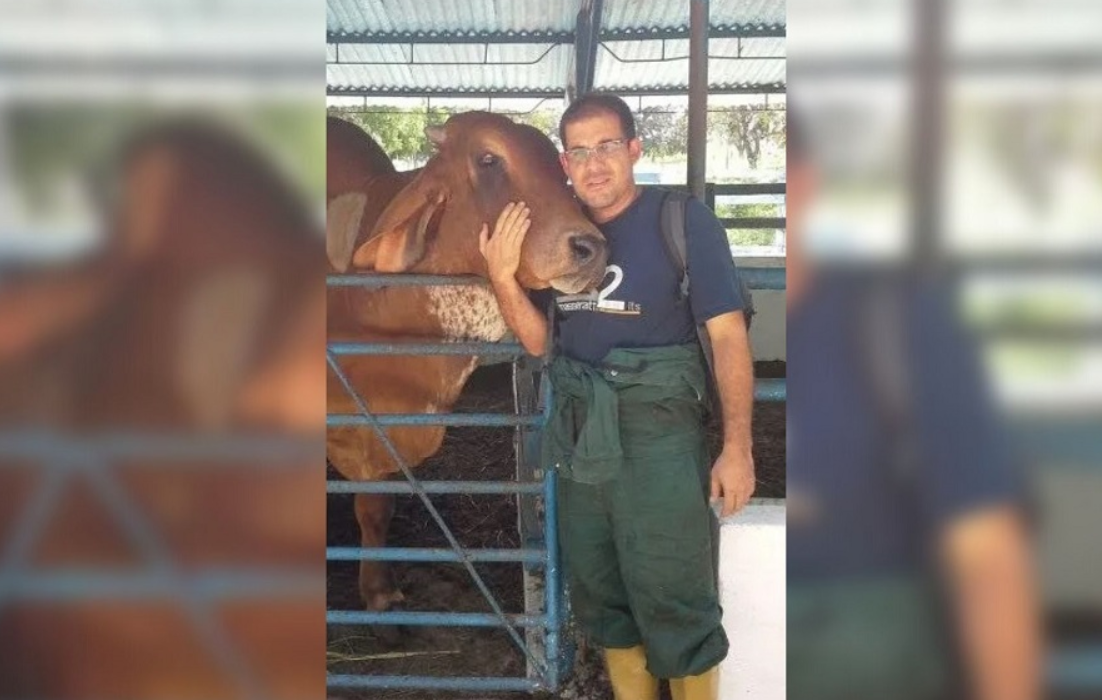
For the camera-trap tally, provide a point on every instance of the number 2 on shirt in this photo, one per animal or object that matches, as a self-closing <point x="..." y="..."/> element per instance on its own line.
<point x="603" y="301"/>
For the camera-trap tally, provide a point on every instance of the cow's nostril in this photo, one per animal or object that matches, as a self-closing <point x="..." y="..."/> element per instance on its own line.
<point x="583" y="248"/>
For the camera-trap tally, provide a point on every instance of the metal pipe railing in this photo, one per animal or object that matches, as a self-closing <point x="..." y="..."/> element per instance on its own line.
<point x="505" y="684"/>
<point x="435" y="487"/>
<point x="340" y="420"/>
<point x="431" y="619"/>
<point x="434" y="554"/>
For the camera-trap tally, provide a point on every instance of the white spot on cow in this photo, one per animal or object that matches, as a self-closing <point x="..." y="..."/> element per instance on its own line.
<point x="218" y="330"/>
<point x="449" y="389"/>
<point x="467" y="312"/>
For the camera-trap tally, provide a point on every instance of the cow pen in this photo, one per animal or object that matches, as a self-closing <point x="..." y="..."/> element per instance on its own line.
<point x="547" y="52"/>
<point x="537" y="631"/>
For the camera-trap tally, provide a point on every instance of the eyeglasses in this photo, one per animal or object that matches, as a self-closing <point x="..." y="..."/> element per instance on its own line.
<point x="604" y="149"/>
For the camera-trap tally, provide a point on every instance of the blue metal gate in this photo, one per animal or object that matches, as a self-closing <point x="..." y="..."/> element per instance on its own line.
<point x="60" y="460"/>
<point x="537" y="553"/>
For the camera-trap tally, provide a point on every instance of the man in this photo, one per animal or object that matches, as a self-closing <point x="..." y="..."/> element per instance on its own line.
<point x="909" y="573"/>
<point x="627" y="433"/>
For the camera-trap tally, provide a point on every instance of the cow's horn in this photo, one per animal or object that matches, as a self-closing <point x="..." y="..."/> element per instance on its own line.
<point x="437" y="134"/>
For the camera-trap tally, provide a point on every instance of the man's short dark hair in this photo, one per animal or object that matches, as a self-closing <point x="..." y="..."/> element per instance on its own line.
<point x="594" y="104"/>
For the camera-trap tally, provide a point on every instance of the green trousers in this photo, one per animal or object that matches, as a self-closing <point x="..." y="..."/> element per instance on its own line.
<point x="868" y="637"/>
<point x="638" y="549"/>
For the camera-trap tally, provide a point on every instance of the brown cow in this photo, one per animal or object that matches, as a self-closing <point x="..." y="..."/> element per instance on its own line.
<point x="427" y="221"/>
<point x="202" y="315"/>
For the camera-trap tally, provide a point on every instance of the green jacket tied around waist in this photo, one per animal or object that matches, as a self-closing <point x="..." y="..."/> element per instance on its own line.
<point x="639" y="400"/>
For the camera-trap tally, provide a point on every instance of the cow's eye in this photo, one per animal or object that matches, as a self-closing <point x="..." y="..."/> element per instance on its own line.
<point x="488" y="160"/>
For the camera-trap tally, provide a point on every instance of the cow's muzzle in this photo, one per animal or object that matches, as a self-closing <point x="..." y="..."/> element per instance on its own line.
<point x="588" y="255"/>
<point x="585" y="248"/>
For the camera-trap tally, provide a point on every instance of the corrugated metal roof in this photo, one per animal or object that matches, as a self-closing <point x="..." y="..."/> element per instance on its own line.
<point x="429" y="17"/>
<point x="441" y="53"/>
<point x="90" y="48"/>
<point x="633" y="15"/>
<point x="728" y="13"/>
<point x="746" y="75"/>
<point x="453" y="74"/>
<point x="673" y="49"/>
<point x="628" y="66"/>
<point x="495" y="46"/>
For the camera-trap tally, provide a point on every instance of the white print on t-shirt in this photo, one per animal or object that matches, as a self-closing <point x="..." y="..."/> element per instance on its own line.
<point x="600" y="300"/>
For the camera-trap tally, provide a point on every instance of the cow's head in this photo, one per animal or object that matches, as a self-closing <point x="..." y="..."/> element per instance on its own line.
<point x="177" y="196"/>
<point x="483" y="161"/>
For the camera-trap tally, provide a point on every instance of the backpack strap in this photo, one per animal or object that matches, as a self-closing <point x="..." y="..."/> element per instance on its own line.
<point x="884" y="351"/>
<point x="882" y="336"/>
<point x="672" y="225"/>
<point x="673" y="212"/>
<point x="673" y="235"/>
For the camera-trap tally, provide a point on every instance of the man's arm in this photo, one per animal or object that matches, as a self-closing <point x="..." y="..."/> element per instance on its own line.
<point x="733" y="473"/>
<point x="987" y="562"/>
<point x="502" y="253"/>
<point x="972" y="486"/>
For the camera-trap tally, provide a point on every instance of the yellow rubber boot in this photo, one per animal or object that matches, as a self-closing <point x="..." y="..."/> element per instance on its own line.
<point x="627" y="669"/>
<point x="702" y="687"/>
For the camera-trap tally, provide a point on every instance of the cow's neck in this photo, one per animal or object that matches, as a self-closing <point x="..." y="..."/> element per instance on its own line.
<point x="467" y="312"/>
<point x="448" y="313"/>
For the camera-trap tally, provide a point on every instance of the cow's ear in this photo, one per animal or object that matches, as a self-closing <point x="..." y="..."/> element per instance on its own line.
<point x="401" y="233"/>
<point x="342" y="224"/>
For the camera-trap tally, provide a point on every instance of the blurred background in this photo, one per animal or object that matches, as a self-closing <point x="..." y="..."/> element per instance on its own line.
<point x="957" y="137"/>
<point x="962" y="139"/>
<point x="161" y="348"/>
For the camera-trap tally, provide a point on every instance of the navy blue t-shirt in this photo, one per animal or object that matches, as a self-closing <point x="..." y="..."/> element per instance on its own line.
<point x="638" y="304"/>
<point x="850" y="513"/>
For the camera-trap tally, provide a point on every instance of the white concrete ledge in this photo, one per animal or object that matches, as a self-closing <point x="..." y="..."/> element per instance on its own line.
<point x="752" y="592"/>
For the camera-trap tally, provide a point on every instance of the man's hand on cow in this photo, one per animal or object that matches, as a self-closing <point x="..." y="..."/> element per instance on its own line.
<point x="502" y="250"/>
<point x="733" y="479"/>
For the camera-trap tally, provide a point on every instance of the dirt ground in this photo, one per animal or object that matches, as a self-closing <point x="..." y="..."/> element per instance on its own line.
<point x="480" y="522"/>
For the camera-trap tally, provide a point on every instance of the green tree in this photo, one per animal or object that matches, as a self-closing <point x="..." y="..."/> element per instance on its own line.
<point x="49" y="145"/>
<point x="401" y="133"/>
<point x="748" y="127"/>
<point x="53" y="147"/>
<point x="293" y="136"/>
<point x="663" y="130"/>
<point x="545" y="120"/>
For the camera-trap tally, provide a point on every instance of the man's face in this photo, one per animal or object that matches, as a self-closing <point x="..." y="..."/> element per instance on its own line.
<point x="602" y="176"/>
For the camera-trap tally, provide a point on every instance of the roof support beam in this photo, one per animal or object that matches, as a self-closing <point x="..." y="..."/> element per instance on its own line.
<point x="737" y="31"/>
<point x="332" y="91"/>
<point x="927" y="132"/>
<point x="698" y="97"/>
<point x="536" y="37"/>
<point x="166" y="67"/>
<point x="585" y="49"/>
